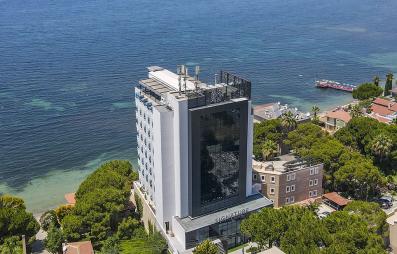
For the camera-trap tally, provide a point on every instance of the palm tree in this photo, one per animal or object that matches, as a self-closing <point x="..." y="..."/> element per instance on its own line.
<point x="381" y="146"/>
<point x="269" y="148"/>
<point x="315" y="111"/>
<point x="389" y="84"/>
<point x="288" y="121"/>
<point x="356" y="111"/>
<point x="376" y="80"/>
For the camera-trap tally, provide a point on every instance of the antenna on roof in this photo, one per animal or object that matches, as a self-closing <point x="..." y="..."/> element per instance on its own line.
<point x="179" y="71"/>
<point x="185" y="76"/>
<point x="197" y="71"/>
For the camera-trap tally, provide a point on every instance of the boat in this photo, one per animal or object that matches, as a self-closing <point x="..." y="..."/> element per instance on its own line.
<point x="335" y="85"/>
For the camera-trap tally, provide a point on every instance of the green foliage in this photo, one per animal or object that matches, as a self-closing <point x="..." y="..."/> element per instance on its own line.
<point x="144" y="245"/>
<point x="62" y="211"/>
<point x="372" y="139"/>
<point x="47" y="219"/>
<point x="298" y="229"/>
<point x="389" y="83"/>
<point x="288" y="121"/>
<point x="8" y="201"/>
<point x="11" y="245"/>
<point x="342" y="166"/>
<point x="111" y="246"/>
<point x="266" y="130"/>
<point x="269" y="148"/>
<point x="53" y="241"/>
<point x="359" y="178"/>
<point x="366" y="91"/>
<point x="206" y="247"/>
<point x="127" y="227"/>
<point x="101" y="202"/>
<point x="15" y="221"/>
<point x="139" y="206"/>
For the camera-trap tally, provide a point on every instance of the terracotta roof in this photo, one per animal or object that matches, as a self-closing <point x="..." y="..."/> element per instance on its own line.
<point x="336" y="198"/>
<point x="380" y="118"/>
<point x="381" y="110"/>
<point x="70" y="198"/>
<point x="394" y="107"/>
<point x="79" y="248"/>
<point x="340" y="115"/>
<point x="383" y="102"/>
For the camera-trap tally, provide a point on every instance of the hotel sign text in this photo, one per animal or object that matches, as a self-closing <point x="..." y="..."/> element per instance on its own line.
<point x="231" y="215"/>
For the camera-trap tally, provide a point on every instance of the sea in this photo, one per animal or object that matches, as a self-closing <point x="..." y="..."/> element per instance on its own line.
<point x="68" y="69"/>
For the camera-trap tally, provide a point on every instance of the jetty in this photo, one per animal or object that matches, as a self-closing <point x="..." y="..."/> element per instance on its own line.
<point x="335" y="85"/>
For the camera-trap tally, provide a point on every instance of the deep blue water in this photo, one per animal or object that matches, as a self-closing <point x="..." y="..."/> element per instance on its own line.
<point x="67" y="68"/>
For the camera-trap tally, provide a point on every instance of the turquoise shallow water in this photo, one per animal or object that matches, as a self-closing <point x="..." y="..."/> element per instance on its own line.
<point x="67" y="70"/>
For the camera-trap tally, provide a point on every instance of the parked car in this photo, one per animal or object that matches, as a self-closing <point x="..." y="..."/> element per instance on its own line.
<point x="385" y="202"/>
<point x="323" y="214"/>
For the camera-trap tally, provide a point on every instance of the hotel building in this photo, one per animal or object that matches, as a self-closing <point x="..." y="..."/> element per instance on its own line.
<point x="194" y="152"/>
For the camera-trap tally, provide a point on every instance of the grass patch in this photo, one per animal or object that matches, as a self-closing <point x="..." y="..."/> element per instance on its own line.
<point x="237" y="247"/>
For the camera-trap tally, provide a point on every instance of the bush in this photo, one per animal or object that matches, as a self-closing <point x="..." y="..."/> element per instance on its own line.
<point x="127" y="228"/>
<point x="54" y="239"/>
<point x="62" y="211"/>
<point x="367" y="91"/>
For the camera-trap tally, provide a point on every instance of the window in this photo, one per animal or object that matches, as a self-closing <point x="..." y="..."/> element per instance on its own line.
<point x="315" y="181"/>
<point x="291" y="177"/>
<point x="272" y="190"/>
<point x="310" y="194"/>
<point x="312" y="171"/>
<point x="315" y="193"/>
<point x="292" y="199"/>
<point x="287" y="200"/>
<point x="310" y="182"/>
<point x="254" y="176"/>
<point x="263" y="178"/>
<point x="292" y="188"/>
<point x="316" y="171"/>
<point x="273" y="179"/>
<point x="287" y="189"/>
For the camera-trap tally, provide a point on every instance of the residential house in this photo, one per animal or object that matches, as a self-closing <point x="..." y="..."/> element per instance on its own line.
<point x="336" y="119"/>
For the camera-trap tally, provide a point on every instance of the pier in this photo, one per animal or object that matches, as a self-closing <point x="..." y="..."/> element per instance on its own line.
<point x="335" y="85"/>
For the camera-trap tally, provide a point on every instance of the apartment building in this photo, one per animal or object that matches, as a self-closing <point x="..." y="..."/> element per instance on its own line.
<point x="288" y="179"/>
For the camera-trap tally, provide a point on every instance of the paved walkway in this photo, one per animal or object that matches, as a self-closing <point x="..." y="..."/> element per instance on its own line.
<point x="38" y="245"/>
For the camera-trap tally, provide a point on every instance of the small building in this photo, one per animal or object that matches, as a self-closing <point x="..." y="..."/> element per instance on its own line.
<point x="288" y="179"/>
<point x="84" y="247"/>
<point x="274" y="110"/>
<point x="392" y="221"/>
<point x="272" y="250"/>
<point x="383" y="110"/>
<point x="336" y="119"/>
<point x="335" y="200"/>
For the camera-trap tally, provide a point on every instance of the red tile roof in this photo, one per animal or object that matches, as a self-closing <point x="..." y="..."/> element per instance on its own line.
<point x="381" y="110"/>
<point x="79" y="248"/>
<point x="383" y="102"/>
<point x="340" y="115"/>
<point x="336" y="198"/>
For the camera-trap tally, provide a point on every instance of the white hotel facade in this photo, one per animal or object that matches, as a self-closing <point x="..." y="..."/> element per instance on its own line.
<point x="194" y="152"/>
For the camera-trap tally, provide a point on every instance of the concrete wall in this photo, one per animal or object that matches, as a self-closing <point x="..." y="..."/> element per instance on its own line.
<point x="250" y="131"/>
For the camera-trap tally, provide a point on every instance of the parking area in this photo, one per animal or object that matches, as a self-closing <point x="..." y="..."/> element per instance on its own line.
<point x="324" y="210"/>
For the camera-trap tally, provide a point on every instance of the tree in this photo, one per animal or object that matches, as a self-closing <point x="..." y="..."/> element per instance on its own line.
<point x="371" y="213"/>
<point x="381" y="146"/>
<point x="315" y="111"/>
<point x="127" y="227"/>
<point x="266" y="130"/>
<point x="359" y="178"/>
<point x="206" y="247"/>
<point x="366" y="91"/>
<point x="15" y="221"/>
<point x="376" y="80"/>
<point x="62" y="211"/>
<point x="356" y="111"/>
<point x="269" y="148"/>
<point x="389" y="83"/>
<point x="394" y="121"/>
<point x="11" y="245"/>
<point x="53" y="241"/>
<point x="288" y="121"/>
<point x="304" y="136"/>
<point x="110" y="246"/>
<point x="48" y="218"/>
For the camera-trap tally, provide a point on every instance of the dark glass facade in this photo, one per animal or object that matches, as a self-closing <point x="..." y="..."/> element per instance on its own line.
<point x="220" y="155"/>
<point x="228" y="232"/>
<point x="218" y="148"/>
